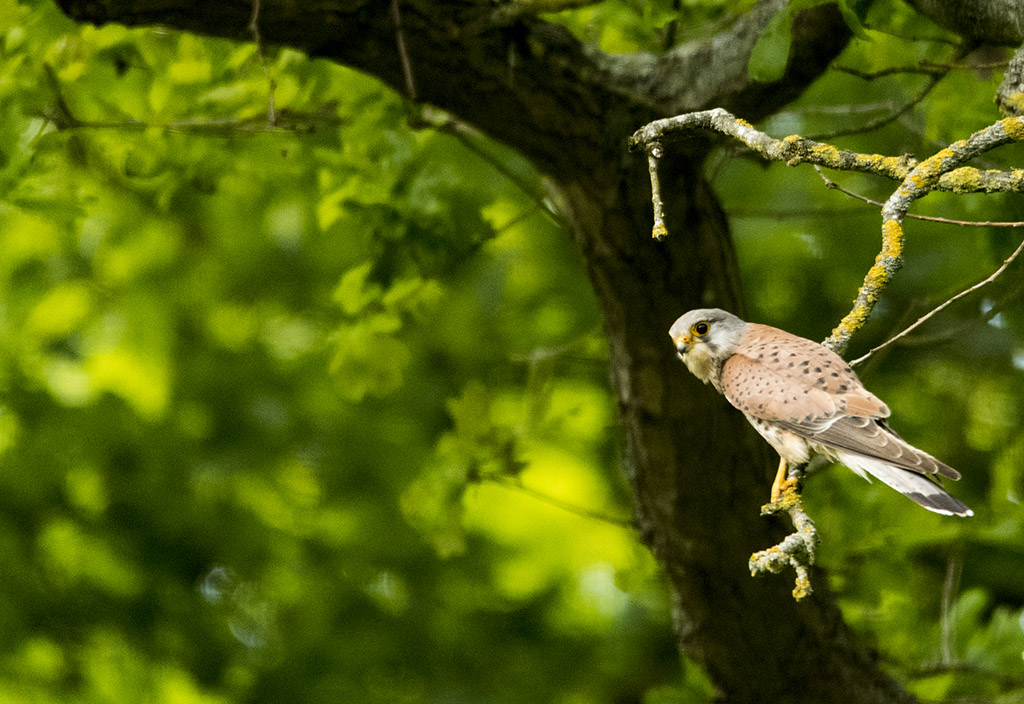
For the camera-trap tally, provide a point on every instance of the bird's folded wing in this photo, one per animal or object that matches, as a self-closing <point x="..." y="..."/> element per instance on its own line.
<point x="872" y="438"/>
<point x="799" y="393"/>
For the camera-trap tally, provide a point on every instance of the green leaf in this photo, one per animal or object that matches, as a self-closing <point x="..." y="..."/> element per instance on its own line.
<point x="353" y="293"/>
<point x="471" y="412"/>
<point x="433" y="505"/>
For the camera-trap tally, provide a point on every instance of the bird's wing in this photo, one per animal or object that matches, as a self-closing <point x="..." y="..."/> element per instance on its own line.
<point x="805" y="388"/>
<point x="871" y="438"/>
<point x="776" y="376"/>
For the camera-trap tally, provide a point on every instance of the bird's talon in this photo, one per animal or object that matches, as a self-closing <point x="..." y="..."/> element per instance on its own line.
<point x="786" y="498"/>
<point x="786" y="486"/>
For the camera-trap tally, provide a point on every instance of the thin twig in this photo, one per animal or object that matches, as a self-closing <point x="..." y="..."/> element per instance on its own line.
<point x="950" y="586"/>
<point x="291" y="122"/>
<point x="63" y="118"/>
<point x="410" y="84"/>
<point x="1009" y="260"/>
<point x="888" y="119"/>
<point x="254" y="28"/>
<point x="846" y="109"/>
<point x="872" y="75"/>
<point x="987" y="314"/>
<point x="829" y="183"/>
<point x="425" y="116"/>
<point x="918" y="183"/>
<point x="63" y="112"/>
<point x="798" y="550"/>
<point x="654" y="152"/>
<point x="926" y="67"/>
<point x="988" y="66"/>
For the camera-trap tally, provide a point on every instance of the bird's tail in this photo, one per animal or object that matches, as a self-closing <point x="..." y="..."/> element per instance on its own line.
<point x="917" y="487"/>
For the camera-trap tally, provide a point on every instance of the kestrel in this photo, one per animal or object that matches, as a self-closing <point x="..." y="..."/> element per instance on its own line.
<point x="805" y="400"/>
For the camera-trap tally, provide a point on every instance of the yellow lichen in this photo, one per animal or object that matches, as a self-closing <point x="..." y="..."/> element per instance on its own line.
<point x="659" y="232"/>
<point x="1014" y="127"/>
<point x="929" y="169"/>
<point x="851" y="323"/>
<point x="892" y="238"/>
<point x="740" y="122"/>
<point x="893" y="166"/>
<point x="918" y="179"/>
<point x="963" y="180"/>
<point x="826" y="153"/>
<point x="1012" y="104"/>
<point x="802" y="588"/>
<point x="876" y="277"/>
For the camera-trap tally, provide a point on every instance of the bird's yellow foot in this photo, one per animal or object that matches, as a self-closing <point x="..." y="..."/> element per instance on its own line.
<point x="782" y="480"/>
<point x="785" y="492"/>
<point x="780" y="490"/>
<point x="787" y="498"/>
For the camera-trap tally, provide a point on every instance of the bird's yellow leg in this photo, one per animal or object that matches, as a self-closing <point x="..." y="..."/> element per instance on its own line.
<point x="782" y="481"/>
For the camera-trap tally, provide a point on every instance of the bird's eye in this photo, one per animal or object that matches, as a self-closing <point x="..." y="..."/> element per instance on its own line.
<point x="700" y="329"/>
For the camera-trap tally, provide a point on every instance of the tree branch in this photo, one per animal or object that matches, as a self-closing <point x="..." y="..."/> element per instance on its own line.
<point x="923" y="178"/>
<point x="794" y="150"/>
<point x="1010" y="94"/>
<point x="798" y="550"/>
<point x="891" y="117"/>
<point x="942" y="306"/>
<point x="832" y="185"/>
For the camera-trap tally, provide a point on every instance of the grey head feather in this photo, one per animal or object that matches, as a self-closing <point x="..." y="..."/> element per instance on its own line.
<point x="705" y="354"/>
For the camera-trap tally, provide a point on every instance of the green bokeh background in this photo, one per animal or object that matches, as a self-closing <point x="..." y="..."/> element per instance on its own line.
<point x="322" y="413"/>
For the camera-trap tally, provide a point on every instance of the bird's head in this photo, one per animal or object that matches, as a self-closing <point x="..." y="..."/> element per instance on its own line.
<point x="705" y="338"/>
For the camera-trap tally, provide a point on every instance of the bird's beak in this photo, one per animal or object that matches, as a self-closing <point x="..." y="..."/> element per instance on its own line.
<point x="682" y="344"/>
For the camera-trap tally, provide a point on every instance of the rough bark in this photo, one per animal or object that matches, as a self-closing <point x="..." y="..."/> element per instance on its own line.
<point x="983" y="21"/>
<point x="698" y="472"/>
<point x="1010" y="94"/>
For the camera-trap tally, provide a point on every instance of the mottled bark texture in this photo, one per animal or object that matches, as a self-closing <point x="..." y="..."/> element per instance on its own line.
<point x="1010" y="94"/>
<point x="698" y="472"/>
<point x="982" y="21"/>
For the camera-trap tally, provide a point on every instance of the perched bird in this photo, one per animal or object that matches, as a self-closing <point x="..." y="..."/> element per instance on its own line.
<point x="805" y="400"/>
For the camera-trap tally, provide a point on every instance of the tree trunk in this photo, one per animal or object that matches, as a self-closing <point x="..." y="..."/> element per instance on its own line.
<point x="699" y="473"/>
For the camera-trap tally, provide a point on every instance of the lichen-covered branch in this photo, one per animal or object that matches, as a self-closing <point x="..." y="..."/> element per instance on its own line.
<point x="922" y="179"/>
<point x="1010" y="94"/>
<point x="659" y="231"/>
<point x="794" y="150"/>
<point x="797" y="550"/>
<point x="942" y="306"/>
<point x="943" y="171"/>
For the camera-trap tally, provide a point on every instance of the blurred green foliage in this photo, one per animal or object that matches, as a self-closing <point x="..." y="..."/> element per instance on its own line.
<point x="321" y="412"/>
